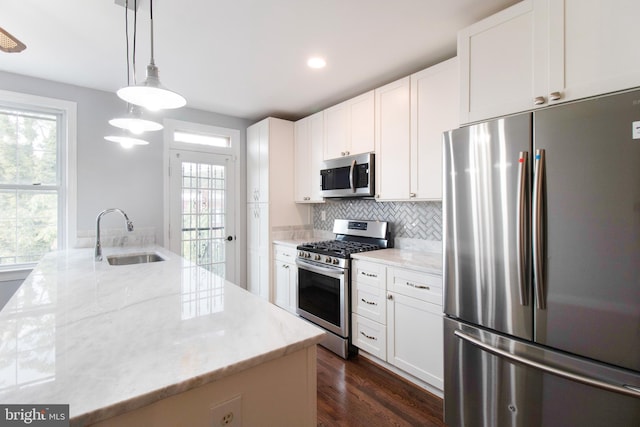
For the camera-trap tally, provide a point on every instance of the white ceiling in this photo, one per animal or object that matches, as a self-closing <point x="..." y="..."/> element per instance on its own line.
<point x="245" y="58"/>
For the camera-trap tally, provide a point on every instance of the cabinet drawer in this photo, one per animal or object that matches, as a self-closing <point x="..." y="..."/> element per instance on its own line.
<point x="370" y="336"/>
<point x="368" y="272"/>
<point x="427" y="287"/>
<point x="284" y="253"/>
<point x="369" y="301"/>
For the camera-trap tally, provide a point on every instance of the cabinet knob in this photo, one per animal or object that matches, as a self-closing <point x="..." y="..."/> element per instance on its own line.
<point x="555" y="96"/>
<point x="346" y="153"/>
<point x="412" y="194"/>
<point x="539" y="100"/>
<point x="389" y="296"/>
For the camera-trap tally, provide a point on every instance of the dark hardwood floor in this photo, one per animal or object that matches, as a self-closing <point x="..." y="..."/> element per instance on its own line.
<point x="357" y="392"/>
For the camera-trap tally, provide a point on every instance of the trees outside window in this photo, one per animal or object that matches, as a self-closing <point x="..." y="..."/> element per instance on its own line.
<point x="33" y="180"/>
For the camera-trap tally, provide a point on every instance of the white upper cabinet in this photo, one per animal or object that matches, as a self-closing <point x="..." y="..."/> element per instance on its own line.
<point x="497" y="64"/>
<point x="392" y="140"/>
<point x="309" y="140"/>
<point x="542" y="52"/>
<point x="258" y="162"/>
<point x="593" y="46"/>
<point x="349" y="127"/>
<point x="435" y="107"/>
<point x="411" y="115"/>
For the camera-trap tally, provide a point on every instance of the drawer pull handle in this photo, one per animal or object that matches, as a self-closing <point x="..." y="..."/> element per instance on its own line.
<point x="368" y="274"/>
<point x="413" y="285"/>
<point x="368" y="336"/>
<point x="368" y="302"/>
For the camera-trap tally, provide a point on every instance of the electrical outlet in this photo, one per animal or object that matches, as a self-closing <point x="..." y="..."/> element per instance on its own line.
<point x="227" y="413"/>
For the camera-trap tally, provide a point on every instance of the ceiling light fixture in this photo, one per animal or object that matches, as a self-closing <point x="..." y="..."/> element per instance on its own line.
<point x="126" y="141"/>
<point x="151" y="94"/>
<point x="9" y="43"/>
<point x="134" y="122"/>
<point x="316" y="62"/>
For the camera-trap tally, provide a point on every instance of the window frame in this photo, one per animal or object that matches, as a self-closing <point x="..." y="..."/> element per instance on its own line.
<point x="66" y="169"/>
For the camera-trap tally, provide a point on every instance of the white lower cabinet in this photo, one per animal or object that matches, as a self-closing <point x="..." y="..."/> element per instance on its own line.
<point x="414" y="337"/>
<point x="397" y="317"/>
<point x="286" y="277"/>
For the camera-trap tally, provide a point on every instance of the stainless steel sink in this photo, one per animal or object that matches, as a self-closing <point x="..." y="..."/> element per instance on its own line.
<point x="128" y="259"/>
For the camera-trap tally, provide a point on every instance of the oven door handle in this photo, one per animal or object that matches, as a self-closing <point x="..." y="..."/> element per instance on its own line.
<point x="336" y="273"/>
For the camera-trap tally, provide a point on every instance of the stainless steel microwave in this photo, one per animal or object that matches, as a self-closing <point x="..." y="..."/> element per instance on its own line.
<point x="349" y="176"/>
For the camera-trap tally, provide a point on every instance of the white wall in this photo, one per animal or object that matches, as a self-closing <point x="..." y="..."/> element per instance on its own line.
<point x="108" y="175"/>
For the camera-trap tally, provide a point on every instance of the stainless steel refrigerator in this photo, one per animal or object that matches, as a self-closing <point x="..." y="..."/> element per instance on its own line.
<point x="542" y="267"/>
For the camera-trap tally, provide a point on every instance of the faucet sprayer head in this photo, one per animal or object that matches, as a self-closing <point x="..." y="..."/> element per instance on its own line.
<point x="129" y="225"/>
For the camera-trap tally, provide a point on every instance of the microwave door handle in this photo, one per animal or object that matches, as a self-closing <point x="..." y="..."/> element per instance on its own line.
<point x="351" y="177"/>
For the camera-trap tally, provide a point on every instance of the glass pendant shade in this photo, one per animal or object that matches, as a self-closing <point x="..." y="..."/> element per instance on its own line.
<point x="151" y="94"/>
<point x="134" y="123"/>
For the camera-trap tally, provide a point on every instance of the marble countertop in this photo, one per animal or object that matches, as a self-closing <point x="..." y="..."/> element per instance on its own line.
<point x="292" y="242"/>
<point x="428" y="262"/>
<point x="108" y="339"/>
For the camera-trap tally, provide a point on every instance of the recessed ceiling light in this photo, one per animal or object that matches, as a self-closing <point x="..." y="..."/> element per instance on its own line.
<point x="316" y="62"/>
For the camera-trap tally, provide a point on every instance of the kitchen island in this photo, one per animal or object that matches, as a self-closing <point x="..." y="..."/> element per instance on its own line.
<point x="159" y="343"/>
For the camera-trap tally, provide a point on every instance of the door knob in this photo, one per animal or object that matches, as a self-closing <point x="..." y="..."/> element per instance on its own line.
<point x="229" y="238"/>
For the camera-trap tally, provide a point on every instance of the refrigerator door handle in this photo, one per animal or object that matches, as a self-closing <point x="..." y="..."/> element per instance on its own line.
<point x="625" y="389"/>
<point x="522" y="232"/>
<point x="538" y="229"/>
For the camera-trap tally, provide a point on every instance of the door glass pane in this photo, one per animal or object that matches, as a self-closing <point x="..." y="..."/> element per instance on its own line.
<point x="204" y="215"/>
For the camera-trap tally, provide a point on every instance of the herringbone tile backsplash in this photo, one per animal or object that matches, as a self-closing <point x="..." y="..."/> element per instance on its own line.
<point x="416" y="220"/>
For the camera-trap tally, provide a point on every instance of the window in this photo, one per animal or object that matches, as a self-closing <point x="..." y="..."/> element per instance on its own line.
<point x="37" y="177"/>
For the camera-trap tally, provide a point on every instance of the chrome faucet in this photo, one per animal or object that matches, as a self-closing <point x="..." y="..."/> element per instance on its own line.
<point x="98" y="251"/>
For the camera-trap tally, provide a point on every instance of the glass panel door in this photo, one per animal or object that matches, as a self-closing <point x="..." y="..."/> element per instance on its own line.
<point x="202" y="219"/>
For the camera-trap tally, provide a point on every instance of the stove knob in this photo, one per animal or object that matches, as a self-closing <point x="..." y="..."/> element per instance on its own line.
<point x="327" y="260"/>
<point x="317" y="258"/>
<point x="301" y="254"/>
<point x="335" y="261"/>
<point x="307" y="255"/>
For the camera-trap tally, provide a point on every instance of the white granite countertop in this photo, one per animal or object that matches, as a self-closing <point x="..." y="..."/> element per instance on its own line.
<point x="108" y="339"/>
<point x="428" y="262"/>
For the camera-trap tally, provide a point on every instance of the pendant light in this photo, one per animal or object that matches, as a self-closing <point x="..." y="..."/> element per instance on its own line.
<point x="126" y="140"/>
<point x="134" y="122"/>
<point x="151" y="94"/>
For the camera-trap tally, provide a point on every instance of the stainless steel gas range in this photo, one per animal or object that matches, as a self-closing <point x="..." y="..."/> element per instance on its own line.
<point x="324" y="277"/>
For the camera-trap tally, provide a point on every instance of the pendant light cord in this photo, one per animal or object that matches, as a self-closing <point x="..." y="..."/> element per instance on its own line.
<point x="151" y="18"/>
<point x="126" y="35"/>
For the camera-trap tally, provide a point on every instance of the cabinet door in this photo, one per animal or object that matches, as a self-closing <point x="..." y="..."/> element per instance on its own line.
<point x="253" y="163"/>
<point x="258" y="162"/>
<point x="336" y="133"/>
<point x="349" y="127"/>
<point x="361" y="124"/>
<point x="593" y="45"/>
<point x="302" y="160"/>
<point x="309" y="140"/>
<point x="258" y="274"/>
<point x="282" y="284"/>
<point x="392" y="140"/>
<point x="435" y="108"/>
<point x="415" y="338"/>
<point x="497" y="73"/>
